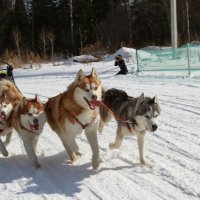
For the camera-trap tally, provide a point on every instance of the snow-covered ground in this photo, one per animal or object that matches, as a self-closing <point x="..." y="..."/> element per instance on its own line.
<point x="174" y="149"/>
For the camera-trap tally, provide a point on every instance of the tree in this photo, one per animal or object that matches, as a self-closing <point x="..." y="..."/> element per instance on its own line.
<point x="20" y="20"/>
<point x="43" y="38"/>
<point x="17" y="39"/>
<point x="6" y="17"/>
<point x="51" y="38"/>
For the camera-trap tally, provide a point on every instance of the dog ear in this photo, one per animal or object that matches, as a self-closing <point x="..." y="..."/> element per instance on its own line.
<point x="80" y="75"/>
<point x="94" y="73"/>
<point x="37" y="98"/>
<point x="139" y="101"/>
<point x="155" y="99"/>
<point x="23" y="102"/>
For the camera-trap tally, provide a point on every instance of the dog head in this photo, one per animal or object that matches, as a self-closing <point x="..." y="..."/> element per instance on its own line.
<point x="32" y="114"/>
<point x="87" y="89"/>
<point x="6" y="108"/>
<point x="147" y="113"/>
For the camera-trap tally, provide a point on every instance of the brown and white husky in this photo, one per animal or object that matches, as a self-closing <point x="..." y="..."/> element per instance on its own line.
<point x="9" y="98"/>
<point x="28" y="119"/>
<point x="71" y="112"/>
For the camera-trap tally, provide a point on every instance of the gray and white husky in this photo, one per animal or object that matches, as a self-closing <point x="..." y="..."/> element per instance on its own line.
<point x="134" y="116"/>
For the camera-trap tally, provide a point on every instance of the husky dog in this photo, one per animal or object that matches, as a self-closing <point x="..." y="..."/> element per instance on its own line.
<point x="71" y="112"/>
<point x="28" y="119"/>
<point x="5" y="125"/>
<point x="134" y="116"/>
<point x="9" y="98"/>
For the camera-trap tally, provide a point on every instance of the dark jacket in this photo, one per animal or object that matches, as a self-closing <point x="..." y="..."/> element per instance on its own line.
<point x="122" y="66"/>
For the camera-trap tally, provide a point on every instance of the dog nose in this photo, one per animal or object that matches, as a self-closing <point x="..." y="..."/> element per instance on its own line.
<point x="154" y="127"/>
<point x="2" y="113"/>
<point x="94" y="96"/>
<point x="35" y="121"/>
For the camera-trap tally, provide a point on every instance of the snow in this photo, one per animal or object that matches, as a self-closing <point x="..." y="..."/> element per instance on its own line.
<point x="174" y="149"/>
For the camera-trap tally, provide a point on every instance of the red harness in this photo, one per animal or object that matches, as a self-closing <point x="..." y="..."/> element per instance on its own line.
<point x="107" y="104"/>
<point x="82" y="125"/>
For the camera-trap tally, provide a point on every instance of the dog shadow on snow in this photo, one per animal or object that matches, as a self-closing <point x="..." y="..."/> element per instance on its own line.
<point x="54" y="177"/>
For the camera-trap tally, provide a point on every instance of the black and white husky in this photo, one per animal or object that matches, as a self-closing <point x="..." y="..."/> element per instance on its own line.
<point x="134" y="116"/>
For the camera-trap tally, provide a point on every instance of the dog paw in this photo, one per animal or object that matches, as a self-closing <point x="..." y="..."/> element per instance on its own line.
<point x="37" y="165"/>
<point x="75" y="156"/>
<point x="100" y="130"/>
<point x="96" y="164"/>
<point x="146" y="164"/>
<point x="78" y="154"/>
<point x="113" y="146"/>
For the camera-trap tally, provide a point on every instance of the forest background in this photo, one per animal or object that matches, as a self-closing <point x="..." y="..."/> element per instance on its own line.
<point x="42" y="30"/>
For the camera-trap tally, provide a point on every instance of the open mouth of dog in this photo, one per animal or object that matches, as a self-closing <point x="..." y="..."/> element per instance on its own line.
<point x="2" y="117"/>
<point x="93" y="103"/>
<point x="34" y="126"/>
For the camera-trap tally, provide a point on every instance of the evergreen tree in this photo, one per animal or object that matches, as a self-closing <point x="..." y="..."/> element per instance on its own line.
<point x="42" y="17"/>
<point x="62" y="31"/>
<point x="21" y="22"/>
<point x="6" y="16"/>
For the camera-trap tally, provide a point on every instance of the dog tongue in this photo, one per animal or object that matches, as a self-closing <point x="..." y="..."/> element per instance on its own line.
<point x="95" y="103"/>
<point x="34" y="126"/>
<point x="2" y="117"/>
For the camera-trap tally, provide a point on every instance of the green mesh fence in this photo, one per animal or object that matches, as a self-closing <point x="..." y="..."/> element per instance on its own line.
<point x="186" y="58"/>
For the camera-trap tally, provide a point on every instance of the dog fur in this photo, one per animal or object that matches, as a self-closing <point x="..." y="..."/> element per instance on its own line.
<point x="70" y="112"/>
<point x="28" y="119"/>
<point x="134" y="116"/>
<point x="9" y="98"/>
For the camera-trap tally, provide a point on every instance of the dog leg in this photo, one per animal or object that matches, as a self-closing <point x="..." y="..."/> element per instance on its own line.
<point x="70" y="146"/>
<point x="8" y="138"/>
<point x="101" y="126"/>
<point x="118" y="140"/>
<point x="3" y="149"/>
<point x="91" y="134"/>
<point x="140" y="140"/>
<point x="29" y="147"/>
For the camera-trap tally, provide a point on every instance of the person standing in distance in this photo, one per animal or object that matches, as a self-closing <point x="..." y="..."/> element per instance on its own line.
<point x="119" y="61"/>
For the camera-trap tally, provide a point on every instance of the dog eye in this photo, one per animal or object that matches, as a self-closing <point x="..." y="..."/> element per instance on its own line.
<point x="147" y="116"/>
<point x="4" y="106"/>
<point x="87" y="90"/>
<point x="95" y="88"/>
<point x="30" y="114"/>
<point x="156" y="116"/>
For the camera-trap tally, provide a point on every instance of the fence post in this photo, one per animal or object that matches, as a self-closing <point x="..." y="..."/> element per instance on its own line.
<point x="138" y="69"/>
<point x="188" y="59"/>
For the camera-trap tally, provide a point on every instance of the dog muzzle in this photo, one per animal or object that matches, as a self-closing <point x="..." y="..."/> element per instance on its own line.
<point x="35" y="125"/>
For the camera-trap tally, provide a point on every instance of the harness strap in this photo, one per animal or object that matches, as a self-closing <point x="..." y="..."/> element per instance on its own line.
<point x="82" y="125"/>
<point x="117" y="117"/>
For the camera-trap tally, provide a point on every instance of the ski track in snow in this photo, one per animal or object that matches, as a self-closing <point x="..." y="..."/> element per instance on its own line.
<point x="174" y="149"/>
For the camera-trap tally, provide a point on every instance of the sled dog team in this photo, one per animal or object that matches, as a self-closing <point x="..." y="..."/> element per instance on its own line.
<point x="73" y="111"/>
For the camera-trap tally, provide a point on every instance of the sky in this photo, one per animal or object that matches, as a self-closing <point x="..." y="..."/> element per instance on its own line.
<point x="174" y="149"/>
